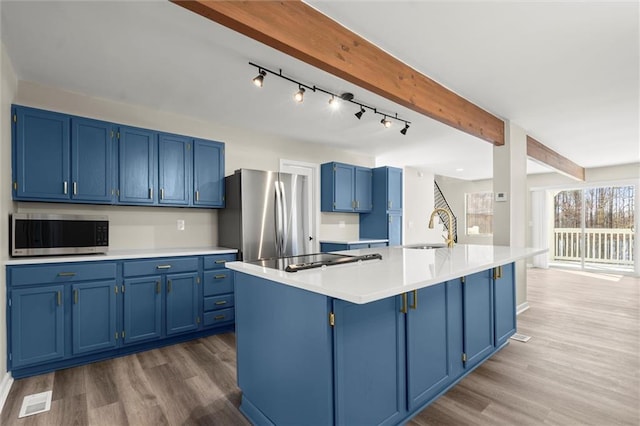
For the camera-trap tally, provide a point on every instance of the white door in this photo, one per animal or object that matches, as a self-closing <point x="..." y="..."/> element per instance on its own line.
<point x="312" y="172"/>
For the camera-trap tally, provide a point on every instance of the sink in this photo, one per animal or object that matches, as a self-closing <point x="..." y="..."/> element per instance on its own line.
<point x="425" y="246"/>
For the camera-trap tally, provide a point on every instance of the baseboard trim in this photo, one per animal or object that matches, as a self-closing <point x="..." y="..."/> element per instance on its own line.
<point x="5" y="387"/>
<point x="522" y="307"/>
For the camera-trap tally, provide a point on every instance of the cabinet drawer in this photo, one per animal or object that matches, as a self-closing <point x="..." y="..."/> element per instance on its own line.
<point x="217" y="261"/>
<point x="218" y="282"/>
<point x="221" y="316"/>
<point x="159" y="266"/>
<point x="61" y="272"/>
<point x="218" y="302"/>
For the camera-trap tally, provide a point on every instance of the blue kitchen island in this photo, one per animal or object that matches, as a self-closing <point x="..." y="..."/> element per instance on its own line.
<point x="369" y="343"/>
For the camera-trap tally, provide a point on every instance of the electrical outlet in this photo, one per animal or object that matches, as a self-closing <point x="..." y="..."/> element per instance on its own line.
<point x="180" y="225"/>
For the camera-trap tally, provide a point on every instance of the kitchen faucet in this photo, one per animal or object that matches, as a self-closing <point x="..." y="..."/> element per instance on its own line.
<point x="448" y="239"/>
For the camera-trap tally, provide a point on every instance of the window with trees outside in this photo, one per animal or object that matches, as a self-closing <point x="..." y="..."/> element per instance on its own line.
<point x="479" y="213"/>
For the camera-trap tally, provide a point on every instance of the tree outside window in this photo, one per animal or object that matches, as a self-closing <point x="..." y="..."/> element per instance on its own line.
<point x="479" y="212"/>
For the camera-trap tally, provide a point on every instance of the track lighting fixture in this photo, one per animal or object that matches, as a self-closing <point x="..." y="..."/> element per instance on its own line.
<point x="259" y="80"/>
<point x="335" y="99"/>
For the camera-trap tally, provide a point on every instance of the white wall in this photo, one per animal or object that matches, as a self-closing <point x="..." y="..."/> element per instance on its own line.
<point x="8" y="87"/>
<point x="418" y="205"/>
<point x="135" y="227"/>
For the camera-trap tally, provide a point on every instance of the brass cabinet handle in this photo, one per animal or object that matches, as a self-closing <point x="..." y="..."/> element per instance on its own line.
<point x="403" y="309"/>
<point x="222" y="302"/>
<point x="219" y="277"/>
<point x="197" y="195"/>
<point x="414" y="305"/>
<point x="59" y="298"/>
<point x="163" y="267"/>
<point x="157" y="287"/>
<point x="497" y="272"/>
<point x="168" y="286"/>
<point x="162" y="193"/>
<point x="65" y="187"/>
<point x="66" y="274"/>
<point x="218" y="317"/>
<point x="221" y="261"/>
<point x="75" y="188"/>
<point x="75" y="296"/>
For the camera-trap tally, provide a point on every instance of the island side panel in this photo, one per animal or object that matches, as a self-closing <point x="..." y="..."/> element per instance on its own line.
<point x="285" y="352"/>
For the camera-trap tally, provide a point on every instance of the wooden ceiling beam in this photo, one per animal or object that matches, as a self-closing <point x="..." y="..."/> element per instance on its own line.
<point x="543" y="154"/>
<point x="299" y="30"/>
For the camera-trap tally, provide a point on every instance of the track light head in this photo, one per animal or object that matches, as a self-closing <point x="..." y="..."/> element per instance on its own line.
<point x="259" y="80"/>
<point x="334" y="103"/>
<point x="405" y="128"/>
<point x="386" y="123"/>
<point x="299" y="96"/>
<point x="359" y="113"/>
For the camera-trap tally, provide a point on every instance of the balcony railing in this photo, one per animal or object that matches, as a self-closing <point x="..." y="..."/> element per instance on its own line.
<point x="613" y="246"/>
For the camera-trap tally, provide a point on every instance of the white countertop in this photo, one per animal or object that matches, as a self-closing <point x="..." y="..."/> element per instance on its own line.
<point x="359" y="241"/>
<point x="122" y="254"/>
<point x="399" y="271"/>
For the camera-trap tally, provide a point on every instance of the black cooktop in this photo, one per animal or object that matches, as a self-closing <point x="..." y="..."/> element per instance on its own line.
<point x="309" y="261"/>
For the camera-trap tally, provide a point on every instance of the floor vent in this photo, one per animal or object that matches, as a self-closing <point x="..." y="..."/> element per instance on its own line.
<point x="35" y="404"/>
<point x="521" y="337"/>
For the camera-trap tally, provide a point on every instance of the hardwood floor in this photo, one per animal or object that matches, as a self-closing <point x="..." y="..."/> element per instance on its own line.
<point x="581" y="367"/>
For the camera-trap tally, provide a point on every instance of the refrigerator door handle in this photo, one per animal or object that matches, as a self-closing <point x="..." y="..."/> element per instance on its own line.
<point x="284" y="222"/>
<point x="278" y="218"/>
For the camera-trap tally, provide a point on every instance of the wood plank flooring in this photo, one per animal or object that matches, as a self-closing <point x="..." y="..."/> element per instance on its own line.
<point x="581" y="367"/>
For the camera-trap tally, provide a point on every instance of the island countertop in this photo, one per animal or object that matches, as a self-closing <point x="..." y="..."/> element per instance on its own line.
<point x="400" y="270"/>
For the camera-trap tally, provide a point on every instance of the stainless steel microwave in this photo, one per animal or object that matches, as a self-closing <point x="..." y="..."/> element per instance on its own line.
<point x="37" y="234"/>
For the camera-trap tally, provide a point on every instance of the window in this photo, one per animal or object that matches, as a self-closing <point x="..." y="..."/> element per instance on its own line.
<point x="479" y="211"/>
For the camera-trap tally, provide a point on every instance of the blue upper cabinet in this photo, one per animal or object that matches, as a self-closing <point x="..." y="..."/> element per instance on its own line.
<point x="92" y="166"/>
<point x="40" y="155"/>
<point x="137" y="170"/>
<point x="385" y="218"/>
<point x="208" y="173"/>
<point x="174" y="171"/>
<point x="345" y="188"/>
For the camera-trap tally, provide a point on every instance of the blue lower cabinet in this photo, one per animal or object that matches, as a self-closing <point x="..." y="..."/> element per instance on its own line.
<point x="142" y="309"/>
<point x="428" y="369"/>
<point x="182" y="303"/>
<point x="93" y="316"/>
<point x="504" y="293"/>
<point x="369" y="371"/>
<point x="477" y="303"/>
<point x="37" y="325"/>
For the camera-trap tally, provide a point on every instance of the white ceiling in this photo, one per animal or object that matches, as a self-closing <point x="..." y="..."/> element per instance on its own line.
<point x="567" y="72"/>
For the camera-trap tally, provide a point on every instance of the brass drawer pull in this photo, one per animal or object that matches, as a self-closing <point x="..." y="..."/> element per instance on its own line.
<point x="75" y="296"/>
<point x="219" y="277"/>
<point x="168" y="286"/>
<point x="163" y="267"/>
<point x="66" y="274"/>
<point x="221" y="261"/>
<point x="59" y="298"/>
<point x="414" y="305"/>
<point x="222" y="302"/>
<point x="218" y="317"/>
<point x="157" y="287"/>
<point x="403" y="309"/>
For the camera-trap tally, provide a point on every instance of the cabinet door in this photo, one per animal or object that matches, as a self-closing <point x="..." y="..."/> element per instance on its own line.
<point x="394" y="189"/>
<point x="91" y="160"/>
<point x="395" y="229"/>
<point x="37" y="325"/>
<point x="142" y="309"/>
<point x="370" y="366"/>
<point x="363" y="189"/>
<point x="174" y="154"/>
<point x="477" y="303"/>
<point x="344" y="181"/>
<point x="504" y="293"/>
<point x="428" y="370"/>
<point x="208" y="173"/>
<point x="41" y="146"/>
<point x="182" y="303"/>
<point x="93" y="316"/>
<point x="137" y="171"/>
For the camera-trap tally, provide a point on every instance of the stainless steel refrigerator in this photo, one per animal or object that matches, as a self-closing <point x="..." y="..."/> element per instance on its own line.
<point x="266" y="214"/>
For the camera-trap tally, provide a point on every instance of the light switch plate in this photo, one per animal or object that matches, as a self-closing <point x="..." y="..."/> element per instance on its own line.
<point x="501" y="196"/>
